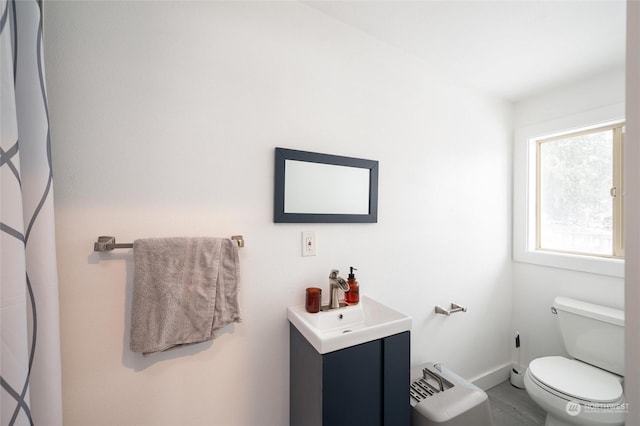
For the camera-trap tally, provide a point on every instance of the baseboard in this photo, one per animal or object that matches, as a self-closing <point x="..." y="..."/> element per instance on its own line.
<point x="493" y="378"/>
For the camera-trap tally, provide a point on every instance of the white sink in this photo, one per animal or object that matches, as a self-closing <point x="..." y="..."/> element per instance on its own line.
<point x="335" y="329"/>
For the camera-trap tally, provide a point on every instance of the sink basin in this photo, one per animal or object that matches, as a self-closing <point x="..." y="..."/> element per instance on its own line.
<point x="335" y="329"/>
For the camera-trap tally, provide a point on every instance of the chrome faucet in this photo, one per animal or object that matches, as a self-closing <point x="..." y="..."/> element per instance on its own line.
<point x="335" y="283"/>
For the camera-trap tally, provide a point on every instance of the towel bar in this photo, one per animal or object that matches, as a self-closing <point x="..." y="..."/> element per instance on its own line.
<point x="109" y="243"/>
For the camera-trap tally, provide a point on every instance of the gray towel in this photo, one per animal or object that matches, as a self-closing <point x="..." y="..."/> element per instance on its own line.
<point x="183" y="290"/>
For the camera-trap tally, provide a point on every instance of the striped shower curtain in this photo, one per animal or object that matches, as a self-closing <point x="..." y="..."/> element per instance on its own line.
<point x="29" y="323"/>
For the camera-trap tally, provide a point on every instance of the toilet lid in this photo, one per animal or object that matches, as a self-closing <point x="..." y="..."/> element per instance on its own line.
<point x="577" y="379"/>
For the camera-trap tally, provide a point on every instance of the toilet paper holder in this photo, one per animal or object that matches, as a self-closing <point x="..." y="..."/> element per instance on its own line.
<point x="454" y="308"/>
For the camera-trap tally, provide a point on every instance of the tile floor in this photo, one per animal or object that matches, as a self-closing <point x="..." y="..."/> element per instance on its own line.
<point x="511" y="406"/>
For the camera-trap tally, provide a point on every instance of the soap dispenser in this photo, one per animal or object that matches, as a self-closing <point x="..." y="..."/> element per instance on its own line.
<point x="352" y="297"/>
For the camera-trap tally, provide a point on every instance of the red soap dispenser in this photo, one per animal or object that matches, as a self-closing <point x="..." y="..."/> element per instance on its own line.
<point x="352" y="297"/>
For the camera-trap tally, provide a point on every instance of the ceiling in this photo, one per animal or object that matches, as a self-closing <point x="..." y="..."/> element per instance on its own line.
<point x="513" y="49"/>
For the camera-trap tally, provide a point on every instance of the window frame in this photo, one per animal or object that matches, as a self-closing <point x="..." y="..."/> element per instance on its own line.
<point x="525" y="193"/>
<point x="617" y="243"/>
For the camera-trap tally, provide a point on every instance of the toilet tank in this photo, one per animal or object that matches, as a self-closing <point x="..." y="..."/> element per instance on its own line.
<point x="592" y="333"/>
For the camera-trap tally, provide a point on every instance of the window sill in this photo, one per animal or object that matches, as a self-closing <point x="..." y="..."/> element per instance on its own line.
<point x="591" y="264"/>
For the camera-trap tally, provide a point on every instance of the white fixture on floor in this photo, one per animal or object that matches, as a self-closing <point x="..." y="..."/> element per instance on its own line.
<point x="439" y="397"/>
<point x="585" y="390"/>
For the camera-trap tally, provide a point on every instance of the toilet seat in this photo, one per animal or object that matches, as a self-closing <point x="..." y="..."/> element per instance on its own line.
<point x="576" y="380"/>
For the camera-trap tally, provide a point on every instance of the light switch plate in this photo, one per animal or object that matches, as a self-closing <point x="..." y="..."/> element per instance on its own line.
<point x="309" y="243"/>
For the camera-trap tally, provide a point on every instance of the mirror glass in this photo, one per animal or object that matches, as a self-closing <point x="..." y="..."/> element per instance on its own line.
<point x="314" y="187"/>
<point x="321" y="188"/>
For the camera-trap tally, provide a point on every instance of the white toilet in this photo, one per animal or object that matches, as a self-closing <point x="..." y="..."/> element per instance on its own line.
<point x="585" y="390"/>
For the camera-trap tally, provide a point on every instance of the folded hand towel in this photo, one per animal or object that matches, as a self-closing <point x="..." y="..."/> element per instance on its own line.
<point x="183" y="290"/>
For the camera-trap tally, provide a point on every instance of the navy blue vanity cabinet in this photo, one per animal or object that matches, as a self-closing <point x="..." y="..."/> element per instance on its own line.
<point x="366" y="384"/>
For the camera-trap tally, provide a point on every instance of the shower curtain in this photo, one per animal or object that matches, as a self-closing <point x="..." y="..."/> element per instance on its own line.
<point x="30" y="385"/>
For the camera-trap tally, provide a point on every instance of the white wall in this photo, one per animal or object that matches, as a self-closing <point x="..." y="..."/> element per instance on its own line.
<point x="164" y="118"/>
<point x="535" y="286"/>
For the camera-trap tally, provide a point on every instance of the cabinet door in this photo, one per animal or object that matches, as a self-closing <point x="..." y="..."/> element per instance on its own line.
<point x="305" y="382"/>
<point x="352" y="389"/>
<point x="396" y="379"/>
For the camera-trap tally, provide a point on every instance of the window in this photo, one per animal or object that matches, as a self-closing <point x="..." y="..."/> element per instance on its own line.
<point x="579" y="192"/>
<point x="563" y="216"/>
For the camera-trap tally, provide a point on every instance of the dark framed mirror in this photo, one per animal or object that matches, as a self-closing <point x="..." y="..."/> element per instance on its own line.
<point x="311" y="187"/>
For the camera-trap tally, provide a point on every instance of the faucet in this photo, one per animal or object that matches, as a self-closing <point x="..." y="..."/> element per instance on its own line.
<point x="336" y="282"/>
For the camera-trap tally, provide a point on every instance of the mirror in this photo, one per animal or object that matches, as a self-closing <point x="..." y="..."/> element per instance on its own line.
<point x="322" y="188"/>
